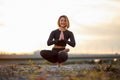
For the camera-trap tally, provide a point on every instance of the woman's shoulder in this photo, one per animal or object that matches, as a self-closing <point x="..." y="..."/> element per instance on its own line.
<point x="55" y="30"/>
<point x="68" y="31"/>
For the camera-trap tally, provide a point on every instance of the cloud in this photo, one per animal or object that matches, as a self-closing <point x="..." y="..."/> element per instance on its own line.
<point x="110" y="30"/>
<point x="107" y="36"/>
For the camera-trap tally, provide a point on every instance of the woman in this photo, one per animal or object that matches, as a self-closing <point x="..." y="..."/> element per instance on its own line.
<point x="59" y="38"/>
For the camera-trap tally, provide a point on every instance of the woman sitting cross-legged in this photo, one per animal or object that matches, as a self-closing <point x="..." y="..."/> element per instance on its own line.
<point x="59" y="38"/>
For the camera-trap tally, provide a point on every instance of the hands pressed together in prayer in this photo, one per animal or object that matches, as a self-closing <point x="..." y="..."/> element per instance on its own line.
<point x="61" y="36"/>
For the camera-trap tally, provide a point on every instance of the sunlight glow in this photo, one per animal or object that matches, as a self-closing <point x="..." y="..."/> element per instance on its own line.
<point x="25" y="25"/>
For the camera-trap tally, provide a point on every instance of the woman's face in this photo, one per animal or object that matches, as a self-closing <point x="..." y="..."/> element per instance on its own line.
<point x="62" y="22"/>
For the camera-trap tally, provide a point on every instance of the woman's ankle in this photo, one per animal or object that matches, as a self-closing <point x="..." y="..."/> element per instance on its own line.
<point x="59" y="64"/>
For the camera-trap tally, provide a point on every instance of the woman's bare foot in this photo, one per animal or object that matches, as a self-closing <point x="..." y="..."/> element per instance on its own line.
<point x="65" y="50"/>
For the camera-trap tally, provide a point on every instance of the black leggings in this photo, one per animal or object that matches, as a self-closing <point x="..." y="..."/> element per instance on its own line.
<point x="53" y="56"/>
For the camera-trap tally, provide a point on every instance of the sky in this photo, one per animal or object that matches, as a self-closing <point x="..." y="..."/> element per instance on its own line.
<point x="25" y="25"/>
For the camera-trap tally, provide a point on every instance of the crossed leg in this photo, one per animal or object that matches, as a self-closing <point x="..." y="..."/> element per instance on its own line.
<point x="65" y="51"/>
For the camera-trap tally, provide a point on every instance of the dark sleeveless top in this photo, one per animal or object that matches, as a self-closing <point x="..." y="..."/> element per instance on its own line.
<point x="68" y="38"/>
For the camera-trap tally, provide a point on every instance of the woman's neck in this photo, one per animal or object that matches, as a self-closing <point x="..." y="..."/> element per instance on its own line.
<point x="62" y="29"/>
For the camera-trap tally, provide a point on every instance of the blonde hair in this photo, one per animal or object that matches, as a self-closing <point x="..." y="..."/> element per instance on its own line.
<point x="67" y="21"/>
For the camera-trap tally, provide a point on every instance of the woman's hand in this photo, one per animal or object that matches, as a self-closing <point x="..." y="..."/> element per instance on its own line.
<point x="61" y="36"/>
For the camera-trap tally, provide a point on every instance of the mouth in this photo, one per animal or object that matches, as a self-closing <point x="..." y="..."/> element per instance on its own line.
<point x="62" y="23"/>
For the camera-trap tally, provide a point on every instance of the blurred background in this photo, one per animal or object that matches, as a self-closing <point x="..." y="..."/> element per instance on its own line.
<point x="25" y="25"/>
